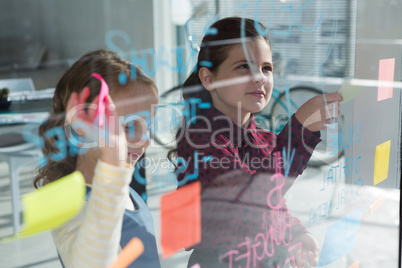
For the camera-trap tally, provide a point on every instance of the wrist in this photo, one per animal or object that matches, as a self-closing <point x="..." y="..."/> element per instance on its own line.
<point x="113" y="160"/>
<point x="302" y="120"/>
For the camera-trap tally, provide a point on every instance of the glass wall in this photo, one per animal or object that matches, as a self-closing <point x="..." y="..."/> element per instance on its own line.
<point x="342" y="211"/>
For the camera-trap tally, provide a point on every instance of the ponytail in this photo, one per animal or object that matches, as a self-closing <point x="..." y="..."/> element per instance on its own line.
<point x="53" y="170"/>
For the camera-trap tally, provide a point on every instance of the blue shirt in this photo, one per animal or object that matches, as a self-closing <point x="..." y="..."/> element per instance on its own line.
<point x="138" y="223"/>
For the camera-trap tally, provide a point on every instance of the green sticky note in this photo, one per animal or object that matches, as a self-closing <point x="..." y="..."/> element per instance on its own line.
<point x="349" y="90"/>
<point x="53" y="204"/>
<point x="381" y="162"/>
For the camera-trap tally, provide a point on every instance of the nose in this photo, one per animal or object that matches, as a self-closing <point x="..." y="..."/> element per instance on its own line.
<point x="258" y="77"/>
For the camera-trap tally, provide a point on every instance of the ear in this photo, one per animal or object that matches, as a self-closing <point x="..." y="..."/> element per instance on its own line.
<point x="205" y="76"/>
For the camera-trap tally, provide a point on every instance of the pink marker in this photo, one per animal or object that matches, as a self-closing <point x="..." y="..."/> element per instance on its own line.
<point x="102" y="96"/>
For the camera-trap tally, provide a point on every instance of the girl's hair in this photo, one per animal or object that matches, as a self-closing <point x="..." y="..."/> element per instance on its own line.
<point x="214" y="52"/>
<point x="107" y="64"/>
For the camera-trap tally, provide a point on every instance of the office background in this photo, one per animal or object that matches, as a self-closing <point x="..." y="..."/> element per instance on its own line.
<point x="316" y="43"/>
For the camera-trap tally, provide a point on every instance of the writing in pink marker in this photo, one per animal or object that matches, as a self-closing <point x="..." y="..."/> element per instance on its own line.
<point x="102" y="96"/>
<point x="274" y="197"/>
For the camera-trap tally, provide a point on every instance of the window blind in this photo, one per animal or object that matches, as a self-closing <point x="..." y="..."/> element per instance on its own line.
<point x="312" y="37"/>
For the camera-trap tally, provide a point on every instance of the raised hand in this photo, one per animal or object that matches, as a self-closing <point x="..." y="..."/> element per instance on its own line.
<point x="319" y="111"/>
<point x="108" y="138"/>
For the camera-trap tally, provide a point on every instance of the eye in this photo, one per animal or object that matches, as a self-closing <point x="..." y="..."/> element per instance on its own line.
<point x="267" y="68"/>
<point x="243" y="66"/>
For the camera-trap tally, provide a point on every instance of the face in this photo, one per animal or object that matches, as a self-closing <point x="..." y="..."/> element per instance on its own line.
<point x="134" y="105"/>
<point x="243" y="81"/>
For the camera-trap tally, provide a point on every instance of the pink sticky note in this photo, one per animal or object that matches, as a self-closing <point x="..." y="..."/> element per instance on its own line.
<point x="181" y="219"/>
<point x="386" y="74"/>
<point x="102" y="96"/>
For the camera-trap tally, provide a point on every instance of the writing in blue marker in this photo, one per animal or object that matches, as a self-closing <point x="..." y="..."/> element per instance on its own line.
<point x="186" y="109"/>
<point x="65" y="141"/>
<point x="342" y="197"/>
<point x="183" y="163"/>
<point x="345" y="139"/>
<point x="149" y="60"/>
<point x="286" y="9"/>
<point x="333" y="175"/>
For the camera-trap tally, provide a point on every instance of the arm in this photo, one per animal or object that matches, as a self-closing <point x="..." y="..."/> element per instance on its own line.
<point x="295" y="137"/>
<point x="224" y="157"/>
<point x="309" y="119"/>
<point x="92" y="238"/>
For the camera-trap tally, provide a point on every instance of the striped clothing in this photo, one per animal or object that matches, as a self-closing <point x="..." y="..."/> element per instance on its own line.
<point x="92" y="238"/>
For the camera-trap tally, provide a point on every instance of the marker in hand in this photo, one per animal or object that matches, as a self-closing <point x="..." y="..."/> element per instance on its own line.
<point x="102" y="97"/>
<point x="129" y="253"/>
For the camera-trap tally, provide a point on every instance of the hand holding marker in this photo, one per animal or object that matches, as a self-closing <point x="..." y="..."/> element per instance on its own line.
<point x="102" y="97"/>
<point x="135" y="247"/>
<point x="53" y="196"/>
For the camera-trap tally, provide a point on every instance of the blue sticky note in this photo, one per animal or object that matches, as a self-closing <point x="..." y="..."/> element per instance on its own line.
<point x="340" y="238"/>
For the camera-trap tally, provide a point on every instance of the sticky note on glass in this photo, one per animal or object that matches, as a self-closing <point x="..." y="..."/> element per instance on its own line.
<point x="349" y="90"/>
<point x="355" y="265"/>
<point x="53" y="204"/>
<point x="385" y="79"/>
<point x="181" y="219"/>
<point x="381" y="162"/>
<point x="340" y="238"/>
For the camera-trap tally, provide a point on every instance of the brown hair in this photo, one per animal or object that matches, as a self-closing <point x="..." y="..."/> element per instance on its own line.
<point x="214" y="52"/>
<point x="107" y="64"/>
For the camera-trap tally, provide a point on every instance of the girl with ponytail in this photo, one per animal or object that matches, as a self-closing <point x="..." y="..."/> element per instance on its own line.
<point x="113" y="213"/>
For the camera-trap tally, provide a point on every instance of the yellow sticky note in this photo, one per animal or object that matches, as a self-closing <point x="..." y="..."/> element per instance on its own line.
<point x="381" y="162"/>
<point x="53" y="204"/>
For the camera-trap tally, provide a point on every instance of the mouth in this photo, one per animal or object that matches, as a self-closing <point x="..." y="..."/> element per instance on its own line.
<point x="257" y="94"/>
